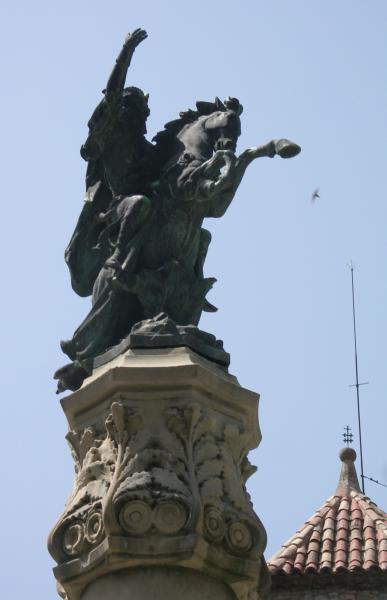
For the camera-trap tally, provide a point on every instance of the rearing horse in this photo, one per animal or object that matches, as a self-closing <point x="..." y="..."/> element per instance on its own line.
<point x="139" y="246"/>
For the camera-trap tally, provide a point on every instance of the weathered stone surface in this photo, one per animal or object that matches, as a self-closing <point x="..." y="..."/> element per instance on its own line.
<point x="160" y="440"/>
<point x="335" y="594"/>
<point x="157" y="583"/>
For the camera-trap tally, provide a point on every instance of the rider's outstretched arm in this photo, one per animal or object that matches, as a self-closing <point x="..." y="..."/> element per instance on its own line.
<point x="116" y="81"/>
<point x="102" y="119"/>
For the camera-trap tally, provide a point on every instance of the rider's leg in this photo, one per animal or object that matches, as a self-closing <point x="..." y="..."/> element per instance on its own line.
<point x="132" y="212"/>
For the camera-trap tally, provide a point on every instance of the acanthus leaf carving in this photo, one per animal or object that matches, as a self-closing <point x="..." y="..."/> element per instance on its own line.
<point x="210" y="469"/>
<point x="207" y="450"/>
<point x="185" y="476"/>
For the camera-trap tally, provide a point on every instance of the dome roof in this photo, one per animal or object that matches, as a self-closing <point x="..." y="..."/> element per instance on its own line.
<point x="348" y="534"/>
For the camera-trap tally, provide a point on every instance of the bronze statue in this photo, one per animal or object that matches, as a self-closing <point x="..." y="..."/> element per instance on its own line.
<point x="139" y="246"/>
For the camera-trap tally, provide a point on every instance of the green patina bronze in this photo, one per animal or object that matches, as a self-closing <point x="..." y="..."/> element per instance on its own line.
<point x="139" y="245"/>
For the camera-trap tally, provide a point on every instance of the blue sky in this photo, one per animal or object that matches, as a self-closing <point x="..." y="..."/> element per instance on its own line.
<point x="314" y="72"/>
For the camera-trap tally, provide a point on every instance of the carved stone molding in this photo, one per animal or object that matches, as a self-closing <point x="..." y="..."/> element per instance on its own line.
<point x="160" y="441"/>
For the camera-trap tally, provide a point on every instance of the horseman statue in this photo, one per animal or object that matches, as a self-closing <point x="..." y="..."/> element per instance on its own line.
<point x="139" y="245"/>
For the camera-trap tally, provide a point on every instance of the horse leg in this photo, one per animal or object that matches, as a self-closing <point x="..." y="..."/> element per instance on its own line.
<point x="205" y="239"/>
<point x="283" y="148"/>
<point x="205" y="174"/>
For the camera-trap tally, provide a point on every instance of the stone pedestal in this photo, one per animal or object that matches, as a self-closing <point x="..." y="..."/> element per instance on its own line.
<point x="159" y="507"/>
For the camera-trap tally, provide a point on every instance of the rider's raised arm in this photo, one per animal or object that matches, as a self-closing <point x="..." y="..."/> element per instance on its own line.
<point x="116" y="81"/>
<point x="103" y="117"/>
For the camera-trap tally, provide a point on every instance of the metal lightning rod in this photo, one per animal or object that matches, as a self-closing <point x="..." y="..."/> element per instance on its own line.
<point x="357" y="384"/>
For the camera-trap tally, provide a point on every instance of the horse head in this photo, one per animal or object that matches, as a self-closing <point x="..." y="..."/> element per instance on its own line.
<point x="197" y="134"/>
<point x="224" y="125"/>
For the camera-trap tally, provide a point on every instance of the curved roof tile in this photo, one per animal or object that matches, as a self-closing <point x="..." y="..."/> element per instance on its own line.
<point x="347" y="534"/>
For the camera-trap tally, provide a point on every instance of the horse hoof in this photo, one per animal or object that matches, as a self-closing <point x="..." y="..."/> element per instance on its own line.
<point x="70" y="377"/>
<point x="67" y="347"/>
<point x="286" y="149"/>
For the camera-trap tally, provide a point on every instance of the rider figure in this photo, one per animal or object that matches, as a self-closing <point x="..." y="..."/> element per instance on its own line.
<point x="117" y="149"/>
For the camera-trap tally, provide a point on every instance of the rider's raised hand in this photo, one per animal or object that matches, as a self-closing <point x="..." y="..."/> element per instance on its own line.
<point x="117" y="77"/>
<point x="135" y="38"/>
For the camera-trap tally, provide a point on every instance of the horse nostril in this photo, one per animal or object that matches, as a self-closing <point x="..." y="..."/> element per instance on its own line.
<point x="224" y="144"/>
<point x="229" y="145"/>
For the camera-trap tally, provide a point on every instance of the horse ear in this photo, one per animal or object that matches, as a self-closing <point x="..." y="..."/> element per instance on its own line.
<point x="234" y="104"/>
<point x="219" y="104"/>
<point x="205" y="108"/>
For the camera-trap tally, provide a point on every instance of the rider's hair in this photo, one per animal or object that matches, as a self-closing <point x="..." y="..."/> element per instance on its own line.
<point x="137" y="98"/>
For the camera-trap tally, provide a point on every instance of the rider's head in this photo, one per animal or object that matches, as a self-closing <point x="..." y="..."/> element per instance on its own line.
<point x="134" y="107"/>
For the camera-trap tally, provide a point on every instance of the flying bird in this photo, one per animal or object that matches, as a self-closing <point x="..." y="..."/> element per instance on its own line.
<point x="316" y="194"/>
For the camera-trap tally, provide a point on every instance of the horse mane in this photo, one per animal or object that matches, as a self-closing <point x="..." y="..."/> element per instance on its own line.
<point x="165" y="138"/>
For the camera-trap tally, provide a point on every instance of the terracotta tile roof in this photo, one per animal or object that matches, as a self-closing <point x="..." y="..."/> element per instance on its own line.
<point x="348" y="534"/>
